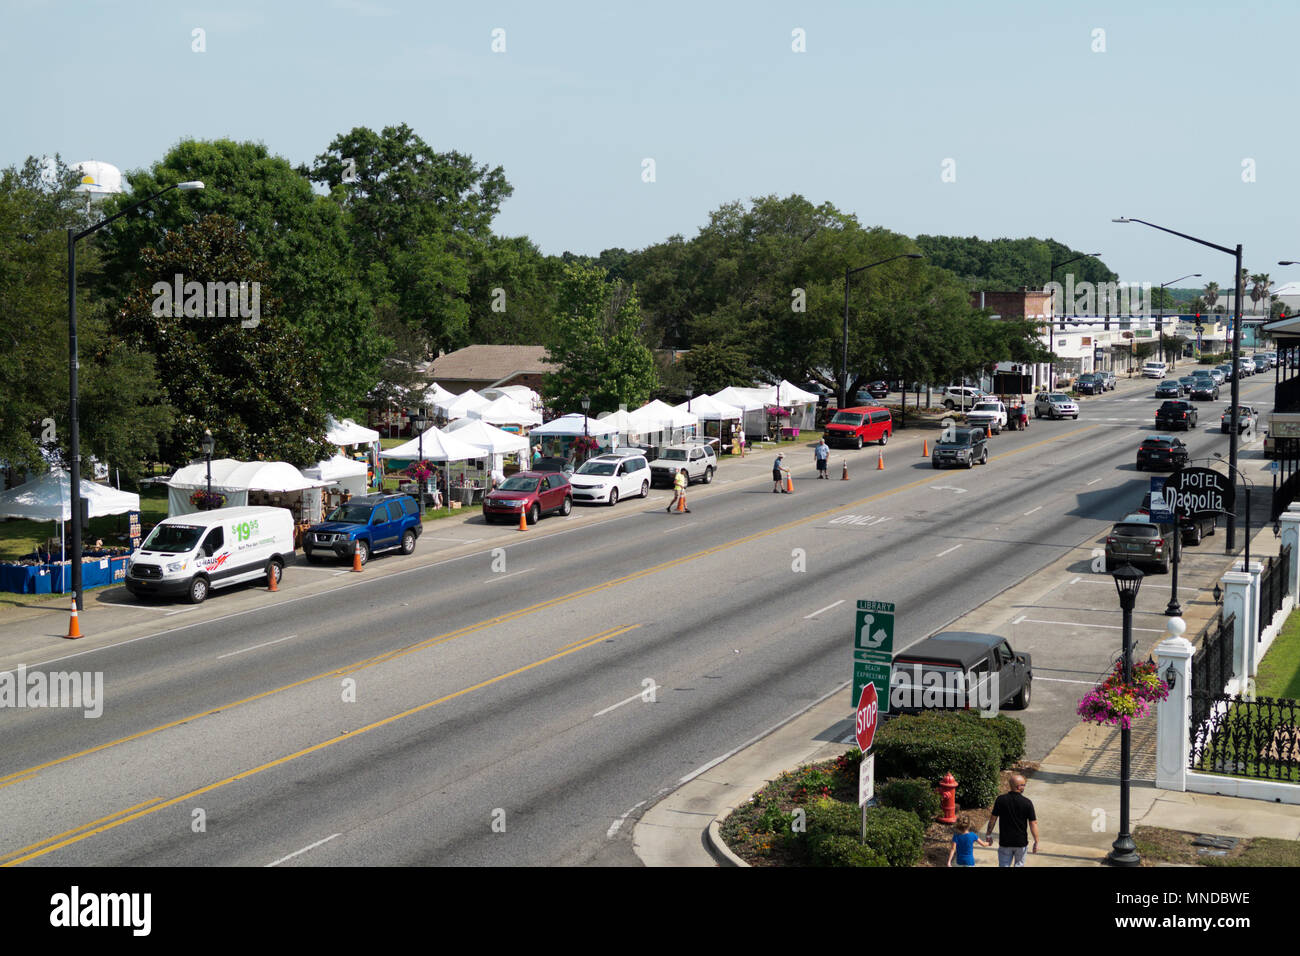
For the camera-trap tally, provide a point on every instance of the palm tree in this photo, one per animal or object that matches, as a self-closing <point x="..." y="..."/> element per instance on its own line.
<point x="1259" y="283"/>
<point x="1211" y="295"/>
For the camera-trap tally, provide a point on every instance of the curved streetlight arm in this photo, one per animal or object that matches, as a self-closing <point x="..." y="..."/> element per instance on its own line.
<point x="872" y="265"/>
<point x="1174" y="232"/>
<point x="184" y="187"/>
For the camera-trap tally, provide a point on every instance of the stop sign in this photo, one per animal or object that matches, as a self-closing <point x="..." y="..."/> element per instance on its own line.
<point x="867" y="717"/>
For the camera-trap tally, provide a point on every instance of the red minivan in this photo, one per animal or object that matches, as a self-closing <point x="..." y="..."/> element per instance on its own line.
<point x="852" y="427"/>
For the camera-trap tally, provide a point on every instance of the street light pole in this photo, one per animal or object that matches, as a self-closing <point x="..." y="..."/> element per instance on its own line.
<point x="1128" y="580"/>
<point x="1231" y="536"/>
<point x="1160" y="322"/>
<point x="209" y="444"/>
<point x="586" y="408"/>
<point x="74" y="427"/>
<point x="844" y="359"/>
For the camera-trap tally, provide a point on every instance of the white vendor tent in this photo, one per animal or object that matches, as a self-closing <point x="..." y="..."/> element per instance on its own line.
<point x="348" y="432"/>
<point x="437" y="445"/>
<point x="707" y="408"/>
<point x="350" y="475"/>
<point x="575" y="424"/>
<point x="459" y="406"/>
<point x="237" y="479"/>
<point x="506" y="411"/>
<point x="522" y="394"/>
<point x="660" y="416"/>
<point x="474" y="431"/>
<point x="434" y="394"/>
<point x="49" y="498"/>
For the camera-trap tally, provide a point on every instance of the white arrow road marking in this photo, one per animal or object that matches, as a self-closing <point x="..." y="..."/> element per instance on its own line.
<point x="600" y="713"/>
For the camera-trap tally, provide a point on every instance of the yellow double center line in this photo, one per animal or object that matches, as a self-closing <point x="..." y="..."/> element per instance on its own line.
<point x="108" y="823"/>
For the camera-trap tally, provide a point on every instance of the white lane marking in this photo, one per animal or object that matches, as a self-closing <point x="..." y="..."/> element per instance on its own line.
<point x="1032" y="510"/>
<point x="431" y="537"/>
<point x="502" y="577"/>
<point x="312" y="567"/>
<point x="305" y="849"/>
<point x="1019" y="619"/>
<point x="960" y="491"/>
<point x="1062" y="680"/>
<point x="1094" y="481"/>
<point x="601" y="713"/>
<point x="1109" y="627"/>
<point x="143" y="607"/>
<point x="613" y="828"/>
<point x="826" y="608"/>
<point x="181" y="611"/>
<point x="678" y="528"/>
<point x="1076" y="580"/>
<point x="256" y="646"/>
<point x="949" y="551"/>
<point x="757" y="737"/>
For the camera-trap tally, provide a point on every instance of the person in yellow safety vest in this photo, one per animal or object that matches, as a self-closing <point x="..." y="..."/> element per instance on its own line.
<point x="679" y="490"/>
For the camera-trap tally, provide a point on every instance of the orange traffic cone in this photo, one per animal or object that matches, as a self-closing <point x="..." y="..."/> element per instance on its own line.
<point x="925" y="448"/>
<point x="789" y="484"/>
<point x="523" y="521"/>
<point x="844" y="475"/>
<point x="681" y="503"/>
<point x="356" y="560"/>
<point x="880" y="462"/>
<point x="270" y="577"/>
<point x="74" y="629"/>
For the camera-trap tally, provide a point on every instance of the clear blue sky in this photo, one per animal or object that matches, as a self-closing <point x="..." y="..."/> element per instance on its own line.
<point x="1049" y="137"/>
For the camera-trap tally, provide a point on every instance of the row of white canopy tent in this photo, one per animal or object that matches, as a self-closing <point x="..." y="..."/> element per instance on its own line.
<point x="502" y="410"/>
<point x="48" y="497"/>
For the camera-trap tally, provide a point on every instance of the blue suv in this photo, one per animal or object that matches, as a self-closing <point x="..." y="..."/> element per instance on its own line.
<point x="365" y="526"/>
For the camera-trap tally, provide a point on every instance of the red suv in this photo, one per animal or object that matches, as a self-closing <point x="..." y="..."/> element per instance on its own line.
<point x="532" y="492"/>
<point x="851" y="427"/>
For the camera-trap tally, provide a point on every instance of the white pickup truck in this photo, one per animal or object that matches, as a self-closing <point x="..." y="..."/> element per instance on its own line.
<point x="991" y="415"/>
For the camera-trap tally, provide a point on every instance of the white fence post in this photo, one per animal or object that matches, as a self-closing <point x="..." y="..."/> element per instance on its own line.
<point x="1173" y="746"/>
<point x="1290" y="523"/>
<point x="1250" y="658"/>
<point x="1236" y="604"/>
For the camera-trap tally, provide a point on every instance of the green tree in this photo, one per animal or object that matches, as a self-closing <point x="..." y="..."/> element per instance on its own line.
<point x="301" y="237"/>
<point x="713" y="366"/>
<point x="595" y="341"/>
<point x="258" y="388"/>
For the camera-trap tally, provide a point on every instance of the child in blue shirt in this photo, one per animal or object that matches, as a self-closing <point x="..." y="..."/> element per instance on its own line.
<point x="963" y="845"/>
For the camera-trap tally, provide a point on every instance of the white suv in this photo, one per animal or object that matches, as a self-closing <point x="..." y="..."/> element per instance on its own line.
<point x="961" y="396"/>
<point x="606" y="478"/>
<point x="1154" y="370"/>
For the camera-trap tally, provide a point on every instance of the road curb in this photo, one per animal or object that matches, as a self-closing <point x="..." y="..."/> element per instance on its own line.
<point x="718" y="847"/>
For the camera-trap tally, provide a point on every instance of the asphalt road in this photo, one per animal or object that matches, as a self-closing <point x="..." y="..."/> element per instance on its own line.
<point x="519" y="707"/>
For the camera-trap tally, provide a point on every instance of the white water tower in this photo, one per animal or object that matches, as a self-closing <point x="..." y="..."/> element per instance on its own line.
<point x="97" y="179"/>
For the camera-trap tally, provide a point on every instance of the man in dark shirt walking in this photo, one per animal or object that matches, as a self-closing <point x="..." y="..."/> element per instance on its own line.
<point x="1016" y="811"/>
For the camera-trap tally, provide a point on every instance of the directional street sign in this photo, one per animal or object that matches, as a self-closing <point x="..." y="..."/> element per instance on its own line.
<point x="873" y="650"/>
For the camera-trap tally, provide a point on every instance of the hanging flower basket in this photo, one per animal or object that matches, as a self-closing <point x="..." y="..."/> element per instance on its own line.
<point x="1116" y="703"/>
<point x="585" y="444"/>
<point x="207" y="502"/>
<point x="420" y="471"/>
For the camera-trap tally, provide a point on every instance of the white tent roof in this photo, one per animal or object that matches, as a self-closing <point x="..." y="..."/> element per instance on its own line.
<point x="348" y="432"/>
<point x="49" y="498"/>
<point x="506" y="411"/>
<point x="332" y="469"/>
<point x="620" y="418"/>
<point x="709" y="408"/>
<point x="794" y="395"/>
<point x="435" y="393"/>
<point x="437" y="446"/>
<point x="480" y="434"/>
<point x="231" y="475"/>
<point x="656" y="415"/>
<point x="573" y="425"/>
<point x="522" y="394"/>
<point x="746" y="399"/>
<point x="461" y="405"/>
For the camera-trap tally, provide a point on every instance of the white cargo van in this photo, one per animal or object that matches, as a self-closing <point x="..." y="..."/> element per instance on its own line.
<point x="195" y="553"/>
<point x="1154" y="370"/>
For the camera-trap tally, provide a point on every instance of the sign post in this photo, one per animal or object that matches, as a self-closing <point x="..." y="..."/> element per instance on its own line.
<point x="864" y="730"/>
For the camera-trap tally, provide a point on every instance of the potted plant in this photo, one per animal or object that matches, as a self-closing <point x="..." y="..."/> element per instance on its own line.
<point x="1115" y="702"/>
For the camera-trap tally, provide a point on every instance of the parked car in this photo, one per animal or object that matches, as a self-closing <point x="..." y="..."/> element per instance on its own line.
<point x="1138" y="540"/>
<point x="960" y="446"/>
<point x="960" y="670"/>
<point x="365" y="526"/>
<point x="1161" y="453"/>
<point x="1055" y="405"/>
<point x="1169" y="388"/>
<point x="874" y="390"/>
<point x="961" y="396"/>
<point x="1176" y="414"/>
<point x="1247" y="417"/>
<point x="1154" y="370"/>
<point x="1090" y="383"/>
<point x="562" y="465"/>
<point x="1108" y="379"/>
<point x="854" y="427"/>
<point x="991" y="415"/>
<point x="607" y="478"/>
<point x="195" y="554"/>
<point x="1193" y="529"/>
<point x="533" y="493"/>
<point x="700" y="462"/>
<point x="1204" y="388"/>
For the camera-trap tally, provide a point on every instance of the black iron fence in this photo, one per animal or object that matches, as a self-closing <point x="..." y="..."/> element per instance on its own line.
<point x="1246" y="738"/>
<point x="1211" y="665"/>
<point x="1274" y="585"/>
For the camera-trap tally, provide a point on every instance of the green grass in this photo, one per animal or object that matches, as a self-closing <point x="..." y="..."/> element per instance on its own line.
<point x="19" y="537"/>
<point x="1157" y="844"/>
<point x="1279" y="671"/>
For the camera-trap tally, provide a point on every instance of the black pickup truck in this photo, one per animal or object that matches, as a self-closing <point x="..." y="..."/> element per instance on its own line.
<point x="1176" y="414"/>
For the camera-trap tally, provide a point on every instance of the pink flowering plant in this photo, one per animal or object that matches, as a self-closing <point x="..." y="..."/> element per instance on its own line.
<point x="1116" y="703"/>
<point x="420" y="471"/>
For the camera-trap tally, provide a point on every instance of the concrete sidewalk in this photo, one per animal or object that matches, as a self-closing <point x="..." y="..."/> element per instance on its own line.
<point x="1075" y="790"/>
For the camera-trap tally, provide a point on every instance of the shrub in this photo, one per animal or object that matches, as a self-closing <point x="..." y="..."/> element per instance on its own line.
<point x="929" y="745"/>
<point x="1010" y="734"/>
<point x="914" y="796"/>
<point x="828" y="817"/>
<point x="895" y="834"/>
<point x="846" y="851"/>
